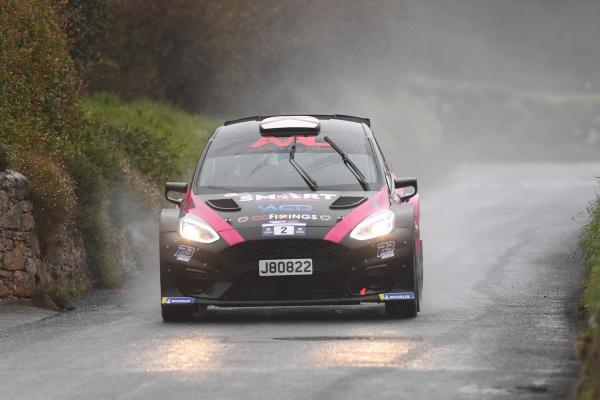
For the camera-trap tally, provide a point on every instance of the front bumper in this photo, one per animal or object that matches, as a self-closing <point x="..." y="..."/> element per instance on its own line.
<point x="350" y="272"/>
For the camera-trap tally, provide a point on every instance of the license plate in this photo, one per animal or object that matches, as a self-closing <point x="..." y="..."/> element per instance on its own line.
<point x="294" y="266"/>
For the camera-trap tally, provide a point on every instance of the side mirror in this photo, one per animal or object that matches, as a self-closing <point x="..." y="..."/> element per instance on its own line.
<point x="403" y="183"/>
<point x="175" y="187"/>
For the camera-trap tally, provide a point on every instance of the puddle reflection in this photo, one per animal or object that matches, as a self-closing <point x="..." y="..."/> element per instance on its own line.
<point x="362" y="353"/>
<point x="189" y="355"/>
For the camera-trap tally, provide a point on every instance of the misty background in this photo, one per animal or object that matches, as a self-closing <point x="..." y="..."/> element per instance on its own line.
<point x="444" y="81"/>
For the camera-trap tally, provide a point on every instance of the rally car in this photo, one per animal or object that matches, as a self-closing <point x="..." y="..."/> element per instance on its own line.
<point x="291" y="210"/>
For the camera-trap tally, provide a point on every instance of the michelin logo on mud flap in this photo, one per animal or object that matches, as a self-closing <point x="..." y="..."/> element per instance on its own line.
<point x="397" y="296"/>
<point x="177" y="300"/>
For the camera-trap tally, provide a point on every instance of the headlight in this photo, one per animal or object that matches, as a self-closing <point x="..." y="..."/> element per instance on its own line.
<point x="194" y="229"/>
<point x="377" y="224"/>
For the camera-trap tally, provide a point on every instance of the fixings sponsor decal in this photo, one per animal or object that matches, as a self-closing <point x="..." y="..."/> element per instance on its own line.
<point x="284" y="228"/>
<point x="243" y="197"/>
<point x="397" y="296"/>
<point x="304" y="217"/>
<point x="184" y="253"/>
<point x="284" y="217"/>
<point x="177" y="300"/>
<point x="386" y="250"/>
<point x="269" y="208"/>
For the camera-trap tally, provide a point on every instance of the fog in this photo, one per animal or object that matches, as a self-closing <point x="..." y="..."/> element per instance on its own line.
<point x="451" y="80"/>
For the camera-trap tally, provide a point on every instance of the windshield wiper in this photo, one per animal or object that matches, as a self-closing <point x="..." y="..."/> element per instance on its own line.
<point x="312" y="184"/>
<point x="348" y="162"/>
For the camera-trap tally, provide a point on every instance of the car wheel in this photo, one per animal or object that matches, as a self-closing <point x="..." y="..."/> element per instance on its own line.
<point x="177" y="313"/>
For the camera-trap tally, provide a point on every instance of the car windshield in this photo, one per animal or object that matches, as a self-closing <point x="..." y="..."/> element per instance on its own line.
<point x="262" y="163"/>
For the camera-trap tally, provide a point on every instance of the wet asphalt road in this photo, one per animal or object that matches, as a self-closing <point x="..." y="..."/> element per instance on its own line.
<point x="501" y="280"/>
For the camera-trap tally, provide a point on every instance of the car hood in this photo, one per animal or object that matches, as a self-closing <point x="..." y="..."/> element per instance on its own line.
<point x="254" y="209"/>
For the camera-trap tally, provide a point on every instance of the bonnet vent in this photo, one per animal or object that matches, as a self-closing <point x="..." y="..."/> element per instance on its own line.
<point x="224" y="205"/>
<point x="347" y="202"/>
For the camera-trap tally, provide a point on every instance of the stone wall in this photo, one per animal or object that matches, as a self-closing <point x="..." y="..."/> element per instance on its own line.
<point x="24" y="272"/>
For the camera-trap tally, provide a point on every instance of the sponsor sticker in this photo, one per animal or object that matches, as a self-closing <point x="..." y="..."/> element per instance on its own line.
<point x="184" y="253"/>
<point x="397" y="296"/>
<point x="385" y="250"/>
<point x="284" y="228"/>
<point x="177" y="300"/>
<point x="283" y="217"/>
<point x="289" y="196"/>
<point x="269" y="208"/>
<point x="308" y="141"/>
<point x="304" y="217"/>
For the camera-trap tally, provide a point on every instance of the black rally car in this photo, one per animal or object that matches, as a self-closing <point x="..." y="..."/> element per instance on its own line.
<point x="291" y="210"/>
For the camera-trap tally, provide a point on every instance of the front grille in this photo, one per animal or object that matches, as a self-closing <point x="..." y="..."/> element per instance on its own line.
<point x="323" y="253"/>
<point x="326" y="282"/>
<point x="285" y="288"/>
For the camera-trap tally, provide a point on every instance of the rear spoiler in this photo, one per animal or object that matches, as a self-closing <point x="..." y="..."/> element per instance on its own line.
<point x="344" y="117"/>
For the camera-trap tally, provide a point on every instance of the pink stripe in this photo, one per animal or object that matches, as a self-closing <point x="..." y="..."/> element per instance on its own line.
<point x="194" y="205"/>
<point x="378" y="202"/>
<point x="417" y="215"/>
<point x="414" y="201"/>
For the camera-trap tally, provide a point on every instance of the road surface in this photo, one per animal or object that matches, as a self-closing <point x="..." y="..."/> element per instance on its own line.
<point x="501" y="280"/>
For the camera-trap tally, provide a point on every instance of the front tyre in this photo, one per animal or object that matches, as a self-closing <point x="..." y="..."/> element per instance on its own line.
<point x="179" y="313"/>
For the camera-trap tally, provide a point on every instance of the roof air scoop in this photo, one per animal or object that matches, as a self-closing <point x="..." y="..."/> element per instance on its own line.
<point x="289" y="125"/>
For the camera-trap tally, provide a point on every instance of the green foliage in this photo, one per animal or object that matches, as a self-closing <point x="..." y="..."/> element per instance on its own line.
<point x="39" y="86"/>
<point x="38" y="89"/>
<point x="160" y="140"/>
<point x="4" y="157"/>
<point x="589" y="342"/>
<point x="591" y="246"/>
<point x="94" y="164"/>
<point x="87" y="23"/>
<point x="38" y="83"/>
<point x="52" y="192"/>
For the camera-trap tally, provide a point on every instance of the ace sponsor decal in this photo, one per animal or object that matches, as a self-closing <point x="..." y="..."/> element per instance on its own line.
<point x="184" y="253"/>
<point x="269" y="208"/>
<point x="385" y="250"/>
<point x="283" y="228"/>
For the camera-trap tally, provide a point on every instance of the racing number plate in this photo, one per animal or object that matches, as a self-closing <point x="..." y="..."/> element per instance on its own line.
<point x="294" y="266"/>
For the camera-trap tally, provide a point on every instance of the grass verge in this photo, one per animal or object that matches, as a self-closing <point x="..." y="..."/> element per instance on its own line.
<point x="588" y="347"/>
<point x="180" y="131"/>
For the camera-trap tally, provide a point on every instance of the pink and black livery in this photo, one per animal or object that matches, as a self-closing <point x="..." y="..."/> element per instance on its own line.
<point x="291" y="210"/>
